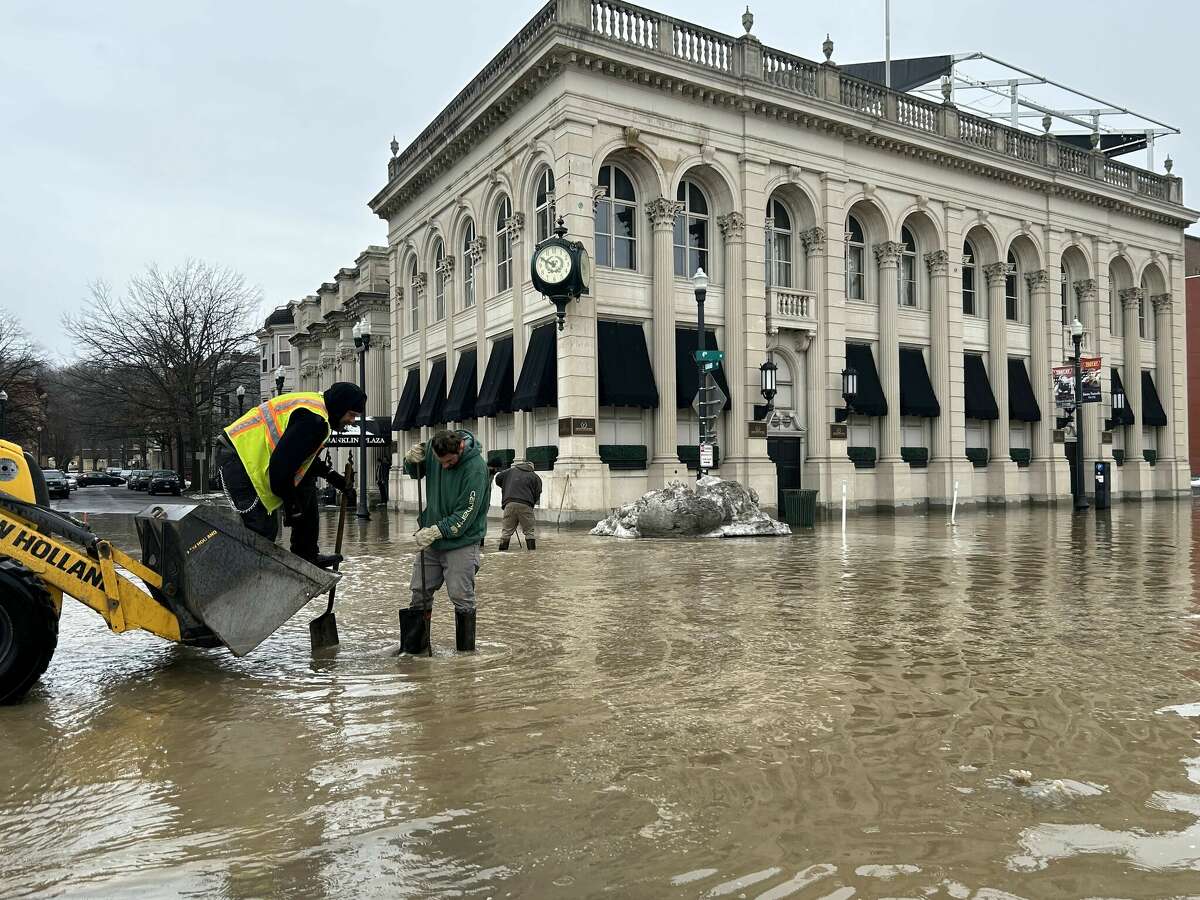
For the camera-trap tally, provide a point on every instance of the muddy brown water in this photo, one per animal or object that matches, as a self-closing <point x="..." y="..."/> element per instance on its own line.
<point x="745" y="718"/>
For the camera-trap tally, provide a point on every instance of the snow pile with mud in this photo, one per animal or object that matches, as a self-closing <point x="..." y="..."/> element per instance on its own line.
<point x="714" y="508"/>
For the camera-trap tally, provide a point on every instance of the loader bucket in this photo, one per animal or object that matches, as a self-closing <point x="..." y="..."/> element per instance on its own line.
<point x="221" y="577"/>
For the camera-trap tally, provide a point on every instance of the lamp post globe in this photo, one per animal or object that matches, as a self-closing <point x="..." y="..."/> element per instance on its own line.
<point x="3" y="411"/>
<point x="279" y="377"/>
<point x="241" y="395"/>
<point x="1081" y="502"/>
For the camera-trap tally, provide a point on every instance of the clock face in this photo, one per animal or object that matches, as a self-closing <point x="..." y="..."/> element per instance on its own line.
<point x="553" y="264"/>
<point x="585" y="268"/>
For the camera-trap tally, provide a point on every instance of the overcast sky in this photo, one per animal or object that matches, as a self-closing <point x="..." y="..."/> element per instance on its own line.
<point x="252" y="134"/>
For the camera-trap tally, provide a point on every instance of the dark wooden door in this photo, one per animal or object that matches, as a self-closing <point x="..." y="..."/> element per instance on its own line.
<point x="785" y="453"/>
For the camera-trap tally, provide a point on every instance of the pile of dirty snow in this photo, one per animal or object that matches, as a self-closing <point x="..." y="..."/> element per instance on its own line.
<point x="713" y="508"/>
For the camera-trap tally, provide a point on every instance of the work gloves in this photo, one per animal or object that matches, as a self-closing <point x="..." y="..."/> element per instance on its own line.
<point x="337" y="479"/>
<point x="415" y="454"/>
<point x="427" y="536"/>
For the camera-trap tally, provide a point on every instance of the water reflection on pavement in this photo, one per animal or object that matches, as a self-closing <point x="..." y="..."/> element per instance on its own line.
<point x="759" y="718"/>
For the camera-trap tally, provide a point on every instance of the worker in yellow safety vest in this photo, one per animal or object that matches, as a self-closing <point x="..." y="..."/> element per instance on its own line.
<point x="269" y="459"/>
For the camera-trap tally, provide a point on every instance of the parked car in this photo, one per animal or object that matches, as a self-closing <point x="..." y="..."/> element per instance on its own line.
<point x="113" y="470"/>
<point x="125" y="473"/>
<point x="57" y="484"/>
<point x="139" y="480"/>
<point x="72" y="481"/>
<point x="165" y="482"/>
<point x="103" y="478"/>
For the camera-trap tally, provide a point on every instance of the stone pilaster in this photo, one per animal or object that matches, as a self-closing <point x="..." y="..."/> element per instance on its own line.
<point x="665" y="463"/>
<point x="1041" y="466"/>
<point x="1135" y="471"/>
<point x="733" y="231"/>
<point x="887" y="255"/>
<point x="1164" y="375"/>
<point x="1002" y="471"/>
<point x="516" y="228"/>
<point x="814" y="360"/>
<point x="938" y="264"/>
<point x="486" y="427"/>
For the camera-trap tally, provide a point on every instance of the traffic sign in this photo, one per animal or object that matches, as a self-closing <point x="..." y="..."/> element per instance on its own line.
<point x="710" y="399"/>
<point x="712" y="356"/>
<point x="706" y="456"/>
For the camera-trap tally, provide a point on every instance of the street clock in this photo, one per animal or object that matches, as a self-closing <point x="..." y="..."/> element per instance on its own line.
<point x="561" y="270"/>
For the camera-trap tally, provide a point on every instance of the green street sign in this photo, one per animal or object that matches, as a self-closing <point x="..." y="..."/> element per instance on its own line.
<point x="709" y="356"/>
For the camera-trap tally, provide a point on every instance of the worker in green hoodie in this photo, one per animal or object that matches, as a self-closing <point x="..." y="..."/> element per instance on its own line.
<point x="452" y="526"/>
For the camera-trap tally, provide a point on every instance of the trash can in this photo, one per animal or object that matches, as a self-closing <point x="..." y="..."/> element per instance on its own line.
<point x="1103" y="485"/>
<point x="790" y="506"/>
<point x="800" y="507"/>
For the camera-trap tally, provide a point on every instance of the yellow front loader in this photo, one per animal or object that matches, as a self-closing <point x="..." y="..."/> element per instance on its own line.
<point x="203" y="580"/>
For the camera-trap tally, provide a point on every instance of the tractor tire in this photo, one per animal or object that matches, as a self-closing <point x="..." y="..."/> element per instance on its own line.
<point x="28" y="631"/>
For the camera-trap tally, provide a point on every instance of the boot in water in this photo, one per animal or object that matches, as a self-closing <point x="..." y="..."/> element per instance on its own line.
<point x="464" y="630"/>
<point x="414" y="631"/>
<point x="530" y="544"/>
<point x="503" y="545"/>
<point x="325" y="560"/>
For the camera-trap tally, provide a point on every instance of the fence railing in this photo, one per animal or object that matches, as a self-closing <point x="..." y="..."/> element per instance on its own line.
<point x="624" y="24"/>
<point x="790" y="72"/>
<point x="862" y="95"/>
<point x="916" y="113"/>
<point x="978" y="132"/>
<point x="1073" y="160"/>
<point x="698" y="45"/>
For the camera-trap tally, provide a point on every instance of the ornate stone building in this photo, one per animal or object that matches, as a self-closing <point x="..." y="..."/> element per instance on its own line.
<point x="842" y="225"/>
<point x="276" y="356"/>
<point x="324" y="336"/>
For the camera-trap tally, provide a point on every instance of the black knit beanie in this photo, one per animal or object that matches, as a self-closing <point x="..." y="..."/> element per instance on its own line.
<point x="342" y="397"/>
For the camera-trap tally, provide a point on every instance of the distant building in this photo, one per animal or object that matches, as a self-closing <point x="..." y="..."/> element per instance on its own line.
<point x="275" y="353"/>
<point x="842" y="225"/>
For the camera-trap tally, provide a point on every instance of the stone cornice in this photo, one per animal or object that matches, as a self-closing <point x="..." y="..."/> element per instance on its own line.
<point x="365" y="301"/>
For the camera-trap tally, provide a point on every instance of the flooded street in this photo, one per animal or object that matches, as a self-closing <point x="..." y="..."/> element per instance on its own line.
<point x="761" y="718"/>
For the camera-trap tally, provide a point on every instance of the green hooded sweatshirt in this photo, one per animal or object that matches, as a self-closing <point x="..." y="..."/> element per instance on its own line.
<point x="456" y="499"/>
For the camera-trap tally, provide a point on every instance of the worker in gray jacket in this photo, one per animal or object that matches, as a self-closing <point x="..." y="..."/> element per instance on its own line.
<point x="520" y="491"/>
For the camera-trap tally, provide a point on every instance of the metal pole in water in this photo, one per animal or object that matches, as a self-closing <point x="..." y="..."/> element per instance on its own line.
<point x="954" y="505"/>
<point x="843" y="510"/>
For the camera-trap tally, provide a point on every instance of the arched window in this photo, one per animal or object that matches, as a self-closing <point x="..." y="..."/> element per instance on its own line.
<point x="907" y="272"/>
<point x="779" y="245"/>
<point x="856" y="257"/>
<point x="439" y="281"/>
<point x="413" y="302"/>
<point x="543" y="208"/>
<point x="970" y="305"/>
<point x="1065" y="298"/>
<point x="503" y="246"/>
<point x="785" y="397"/>
<point x="691" y="230"/>
<point x="616" y="218"/>
<point x="468" y="266"/>
<point x="1012" y="299"/>
<point x="1143" y="331"/>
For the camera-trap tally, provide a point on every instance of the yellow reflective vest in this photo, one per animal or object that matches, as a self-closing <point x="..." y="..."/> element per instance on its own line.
<point x="256" y="435"/>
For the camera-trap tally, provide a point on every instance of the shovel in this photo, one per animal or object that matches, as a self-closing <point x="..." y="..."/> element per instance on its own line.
<point x="322" y="631"/>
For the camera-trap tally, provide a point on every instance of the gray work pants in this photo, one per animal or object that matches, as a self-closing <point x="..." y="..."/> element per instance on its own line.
<point x="454" y="568"/>
<point x="517" y="514"/>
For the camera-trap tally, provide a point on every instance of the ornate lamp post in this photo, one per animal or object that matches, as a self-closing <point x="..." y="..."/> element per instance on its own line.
<point x="767" y="374"/>
<point x="241" y="395"/>
<point x="362" y="343"/>
<point x="700" y="286"/>
<point x="279" y="376"/>
<point x="3" y="411"/>
<point x="849" y="386"/>
<point x="1081" y="502"/>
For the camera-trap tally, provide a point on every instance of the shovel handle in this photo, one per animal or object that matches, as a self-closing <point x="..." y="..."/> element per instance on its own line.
<point x="341" y="530"/>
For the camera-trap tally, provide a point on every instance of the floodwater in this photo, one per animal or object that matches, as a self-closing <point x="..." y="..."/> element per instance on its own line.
<point x="761" y="718"/>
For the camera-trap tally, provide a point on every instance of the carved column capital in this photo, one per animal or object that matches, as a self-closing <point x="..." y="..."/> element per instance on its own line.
<point x="813" y="240"/>
<point x="419" y="283"/>
<point x="1038" y="281"/>
<point x="515" y="224"/>
<point x="476" y="248"/>
<point x="446" y="267"/>
<point x="996" y="273"/>
<point x="1132" y="297"/>
<point x="1162" y="302"/>
<point x="733" y="226"/>
<point x="888" y="254"/>
<point x="663" y="212"/>
<point x="938" y="262"/>
<point x="1085" y="289"/>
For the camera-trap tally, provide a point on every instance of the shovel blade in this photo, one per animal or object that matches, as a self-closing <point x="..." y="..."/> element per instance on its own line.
<point x="323" y="632"/>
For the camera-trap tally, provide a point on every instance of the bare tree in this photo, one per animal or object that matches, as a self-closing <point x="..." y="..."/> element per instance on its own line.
<point x="21" y="367"/>
<point x="159" y="354"/>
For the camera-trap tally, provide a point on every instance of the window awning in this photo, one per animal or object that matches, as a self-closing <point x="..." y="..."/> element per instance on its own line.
<point x="626" y="376"/>
<point x="410" y="401"/>
<point x="496" y="389"/>
<point x="433" y="403"/>
<point x="869" y="401"/>
<point x="980" y="402"/>
<point x="917" y="397"/>
<point x="1022" y="402"/>
<point x="1153" y="413"/>
<point x="1123" y="416"/>
<point x="538" y="385"/>
<point x="687" y="376"/>
<point x="460" y="404"/>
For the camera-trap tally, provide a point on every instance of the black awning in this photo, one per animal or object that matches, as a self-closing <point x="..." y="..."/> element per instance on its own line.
<point x="980" y="402"/>
<point x="538" y="385"/>
<point x="410" y="402"/>
<point x="1123" y="416"/>
<point x="496" y="389"/>
<point x="906" y="73"/>
<point x="1110" y="144"/>
<point x="460" y="405"/>
<point x="623" y="364"/>
<point x="433" y="404"/>
<point x="1153" y="413"/>
<point x="917" y="397"/>
<point x="687" y="376"/>
<point x="869" y="401"/>
<point x="1022" y="402"/>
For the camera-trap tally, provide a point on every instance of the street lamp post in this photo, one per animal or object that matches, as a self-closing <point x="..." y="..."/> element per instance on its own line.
<point x="279" y="376"/>
<point x="3" y="411"/>
<point x="362" y="342"/>
<point x="700" y="284"/>
<point x="1081" y="502"/>
<point x="241" y="395"/>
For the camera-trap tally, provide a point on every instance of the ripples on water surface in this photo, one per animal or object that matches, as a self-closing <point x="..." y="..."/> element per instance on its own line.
<point x="768" y="718"/>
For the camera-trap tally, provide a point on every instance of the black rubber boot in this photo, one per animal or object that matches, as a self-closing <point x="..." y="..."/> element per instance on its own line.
<point x="530" y="544"/>
<point x="464" y="630"/>
<point x="503" y="545"/>
<point x="326" y="560"/>
<point x="414" y="631"/>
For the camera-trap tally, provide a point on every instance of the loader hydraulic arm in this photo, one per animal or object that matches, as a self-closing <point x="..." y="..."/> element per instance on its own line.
<point x="29" y="534"/>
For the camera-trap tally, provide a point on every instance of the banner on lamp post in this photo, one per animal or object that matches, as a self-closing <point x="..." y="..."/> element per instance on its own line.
<point x="1064" y="381"/>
